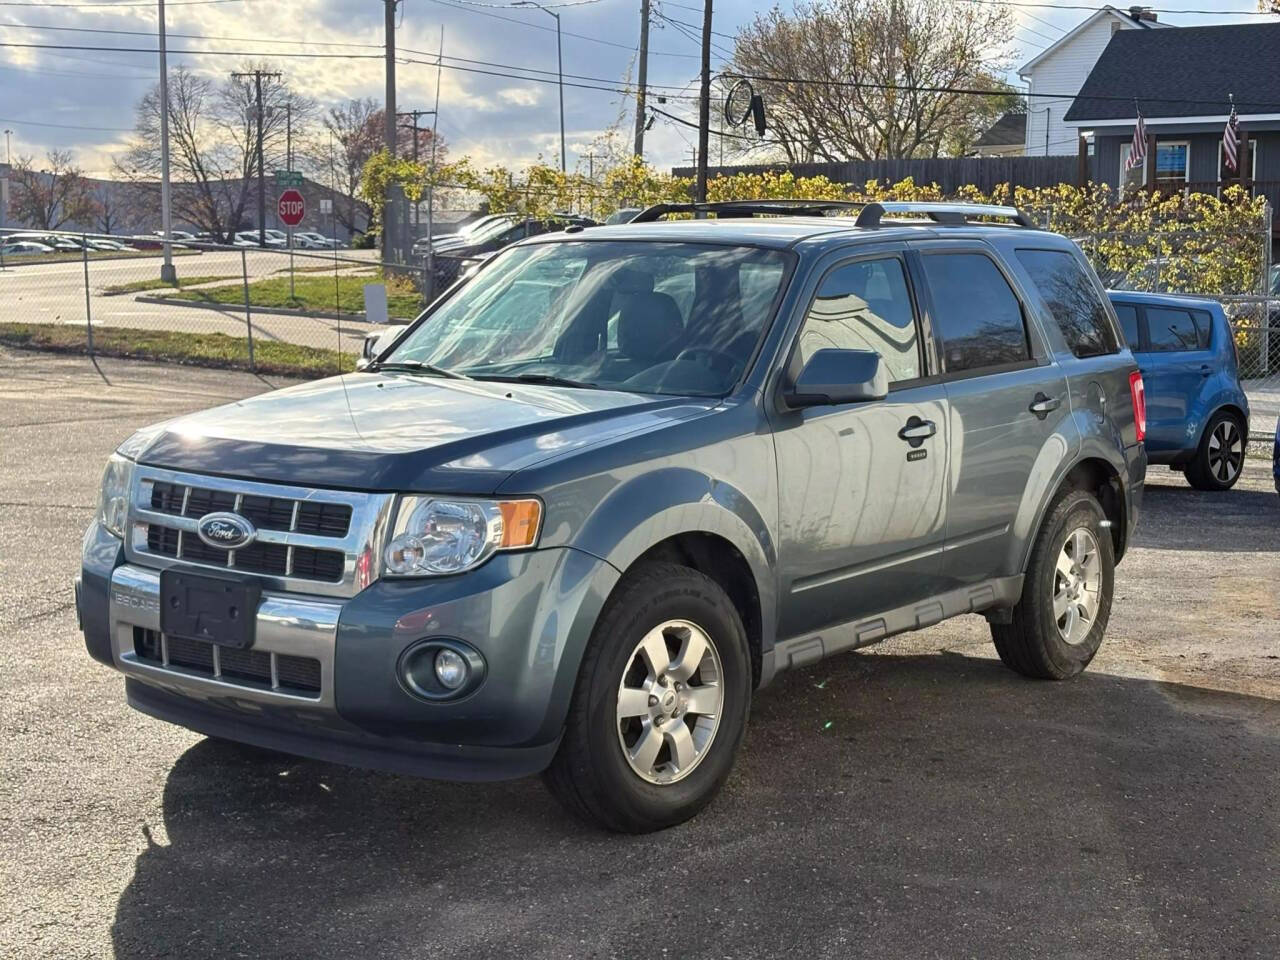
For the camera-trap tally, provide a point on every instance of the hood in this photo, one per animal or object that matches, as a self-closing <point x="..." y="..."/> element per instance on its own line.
<point x="403" y="432"/>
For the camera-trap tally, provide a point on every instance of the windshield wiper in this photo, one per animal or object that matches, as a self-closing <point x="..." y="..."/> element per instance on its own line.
<point x="549" y="379"/>
<point x="417" y="366"/>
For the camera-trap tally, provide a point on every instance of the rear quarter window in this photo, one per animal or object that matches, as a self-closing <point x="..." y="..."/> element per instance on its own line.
<point x="1070" y="294"/>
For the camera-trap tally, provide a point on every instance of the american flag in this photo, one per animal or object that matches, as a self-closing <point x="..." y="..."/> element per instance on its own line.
<point x="1230" y="157"/>
<point x="1138" y="148"/>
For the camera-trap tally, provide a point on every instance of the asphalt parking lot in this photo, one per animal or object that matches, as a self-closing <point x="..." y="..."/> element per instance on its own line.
<point x="915" y="800"/>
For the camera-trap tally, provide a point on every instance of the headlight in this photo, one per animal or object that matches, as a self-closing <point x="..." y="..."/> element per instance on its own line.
<point x="113" y="505"/>
<point x="438" y="537"/>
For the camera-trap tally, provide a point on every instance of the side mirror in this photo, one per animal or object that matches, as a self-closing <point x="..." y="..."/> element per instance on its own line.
<point x="839" y="376"/>
<point x="374" y="344"/>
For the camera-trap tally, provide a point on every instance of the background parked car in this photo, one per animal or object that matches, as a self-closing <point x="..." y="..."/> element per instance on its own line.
<point x="1197" y="412"/>
<point x="250" y="238"/>
<point x="622" y="215"/>
<point x="24" y="247"/>
<point x="310" y="240"/>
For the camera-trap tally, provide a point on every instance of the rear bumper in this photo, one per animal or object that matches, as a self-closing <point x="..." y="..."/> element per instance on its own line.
<point x="1135" y="458"/>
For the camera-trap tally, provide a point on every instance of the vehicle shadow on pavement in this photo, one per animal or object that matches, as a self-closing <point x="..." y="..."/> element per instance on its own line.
<point x="883" y="806"/>
<point x="1178" y="517"/>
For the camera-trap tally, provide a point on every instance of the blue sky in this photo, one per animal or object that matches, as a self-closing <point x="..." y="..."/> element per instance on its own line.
<point x="492" y="118"/>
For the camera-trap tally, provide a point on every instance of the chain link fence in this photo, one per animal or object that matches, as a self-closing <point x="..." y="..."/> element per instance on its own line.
<point x="276" y="308"/>
<point x="271" y="309"/>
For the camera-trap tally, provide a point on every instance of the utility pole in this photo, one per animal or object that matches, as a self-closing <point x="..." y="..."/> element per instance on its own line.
<point x="591" y="179"/>
<point x="167" y="274"/>
<point x="8" y="147"/>
<point x="704" y="106"/>
<point x="415" y="115"/>
<point x="435" y="118"/>
<point x="262" y="183"/>
<point x="643" y="77"/>
<point x="391" y="210"/>
<point x="559" y="68"/>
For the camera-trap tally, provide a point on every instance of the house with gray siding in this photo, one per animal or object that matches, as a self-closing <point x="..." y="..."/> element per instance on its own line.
<point x="1184" y="81"/>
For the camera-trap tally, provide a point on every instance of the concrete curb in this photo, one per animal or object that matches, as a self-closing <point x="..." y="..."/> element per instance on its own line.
<point x="238" y="309"/>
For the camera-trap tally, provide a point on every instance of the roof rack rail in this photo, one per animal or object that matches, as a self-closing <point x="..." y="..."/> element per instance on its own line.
<point x="949" y="213"/>
<point x="725" y="209"/>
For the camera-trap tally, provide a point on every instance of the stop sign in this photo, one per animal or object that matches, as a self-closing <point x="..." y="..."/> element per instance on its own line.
<point x="291" y="207"/>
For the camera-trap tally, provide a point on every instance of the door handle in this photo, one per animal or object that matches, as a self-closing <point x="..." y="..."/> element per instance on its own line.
<point x="1205" y="369"/>
<point x="1042" y="406"/>
<point x="917" y="431"/>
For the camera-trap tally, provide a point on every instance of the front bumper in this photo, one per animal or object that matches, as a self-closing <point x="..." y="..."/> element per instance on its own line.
<point x="529" y="615"/>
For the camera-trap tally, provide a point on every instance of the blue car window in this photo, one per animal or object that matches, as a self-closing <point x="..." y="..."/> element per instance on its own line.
<point x="1170" y="330"/>
<point x="1204" y="324"/>
<point x="1127" y="314"/>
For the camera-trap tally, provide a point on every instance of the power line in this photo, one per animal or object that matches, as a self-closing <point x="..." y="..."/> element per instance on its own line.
<point x="124" y="3"/>
<point x="1070" y="6"/>
<point x="191" y="36"/>
<point x="76" y="73"/>
<point x="62" y="126"/>
<point x="456" y="5"/>
<point x="196" y="53"/>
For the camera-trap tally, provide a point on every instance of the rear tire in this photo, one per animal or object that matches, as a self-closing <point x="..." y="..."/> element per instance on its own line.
<point x="660" y="705"/>
<point x="1058" y="623"/>
<point x="1219" y="460"/>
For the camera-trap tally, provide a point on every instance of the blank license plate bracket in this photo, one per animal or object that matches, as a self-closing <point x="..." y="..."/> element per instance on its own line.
<point x="219" y="610"/>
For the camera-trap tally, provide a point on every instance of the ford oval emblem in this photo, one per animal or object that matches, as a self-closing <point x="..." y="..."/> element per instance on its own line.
<point x="226" y="531"/>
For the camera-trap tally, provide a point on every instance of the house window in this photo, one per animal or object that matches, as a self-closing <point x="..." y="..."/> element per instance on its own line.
<point x="1251" y="163"/>
<point x="1173" y="164"/>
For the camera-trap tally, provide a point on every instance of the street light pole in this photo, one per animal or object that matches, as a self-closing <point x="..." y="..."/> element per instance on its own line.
<point x="559" y="69"/>
<point x="167" y="274"/>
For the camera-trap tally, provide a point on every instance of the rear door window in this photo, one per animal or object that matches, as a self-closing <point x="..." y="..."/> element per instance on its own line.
<point x="865" y="305"/>
<point x="1070" y="295"/>
<point x="1127" y="314"/>
<point x="977" y="317"/>
<point x="1170" y="330"/>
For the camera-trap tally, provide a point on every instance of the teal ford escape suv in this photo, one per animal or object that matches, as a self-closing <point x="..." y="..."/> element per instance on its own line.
<point x="577" y="513"/>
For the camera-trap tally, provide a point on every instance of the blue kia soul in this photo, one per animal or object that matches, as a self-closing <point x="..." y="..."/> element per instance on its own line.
<point x="1197" y="412"/>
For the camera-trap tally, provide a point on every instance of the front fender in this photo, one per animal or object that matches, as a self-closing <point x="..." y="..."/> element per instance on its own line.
<point x="652" y="507"/>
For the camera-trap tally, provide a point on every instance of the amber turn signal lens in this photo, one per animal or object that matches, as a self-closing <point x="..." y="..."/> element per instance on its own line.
<point x="520" y="522"/>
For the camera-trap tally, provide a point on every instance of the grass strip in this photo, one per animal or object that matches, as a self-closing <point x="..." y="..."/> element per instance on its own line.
<point x="309" y="293"/>
<point x="155" y="283"/>
<point x="166" y="346"/>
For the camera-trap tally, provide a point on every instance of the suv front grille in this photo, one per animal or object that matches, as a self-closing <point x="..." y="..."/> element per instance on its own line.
<point x="259" y="669"/>
<point x="266" y="513"/>
<point x="271" y="559"/>
<point x="316" y="541"/>
<point x="283" y="514"/>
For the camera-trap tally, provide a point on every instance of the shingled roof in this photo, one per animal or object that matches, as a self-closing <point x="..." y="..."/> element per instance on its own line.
<point x="1009" y="130"/>
<point x="1187" y="72"/>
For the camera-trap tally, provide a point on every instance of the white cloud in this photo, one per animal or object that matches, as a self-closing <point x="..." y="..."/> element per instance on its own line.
<point x="520" y="96"/>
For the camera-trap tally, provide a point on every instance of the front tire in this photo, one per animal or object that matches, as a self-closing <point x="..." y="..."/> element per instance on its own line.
<point x="1219" y="460"/>
<point x="660" y="705"/>
<point x="1058" y="624"/>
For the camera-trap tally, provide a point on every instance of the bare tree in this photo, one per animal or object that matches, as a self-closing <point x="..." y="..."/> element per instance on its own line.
<point x="51" y="197"/>
<point x="352" y="133"/>
<point x="213" y="144"/>
<point x="867" y="79"/>
<point x="349" y="135"/>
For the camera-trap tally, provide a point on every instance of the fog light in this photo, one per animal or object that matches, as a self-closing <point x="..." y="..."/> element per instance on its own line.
<point x="451" y="669"/>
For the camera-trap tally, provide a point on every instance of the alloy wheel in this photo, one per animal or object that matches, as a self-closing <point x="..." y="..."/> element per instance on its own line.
<point x="669" y="701"/>
<point x="1077" y="585"/>
<point x="1226" y="451"/>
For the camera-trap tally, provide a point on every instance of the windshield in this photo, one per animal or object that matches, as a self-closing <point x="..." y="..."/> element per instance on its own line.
<point x="640" y="316"/>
